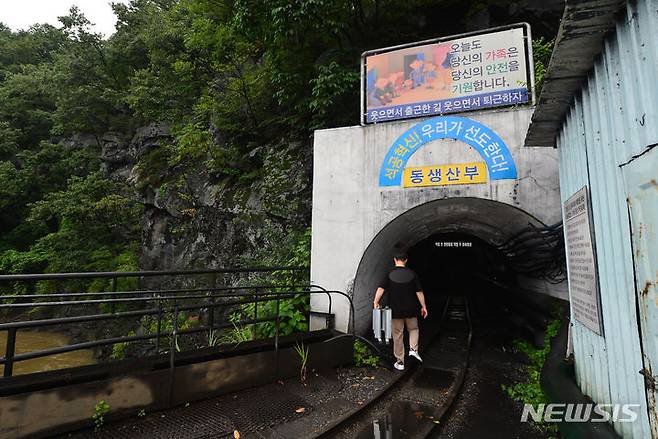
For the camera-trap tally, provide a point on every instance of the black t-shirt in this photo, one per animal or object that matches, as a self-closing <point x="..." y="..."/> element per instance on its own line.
<point x="401" y="285"/>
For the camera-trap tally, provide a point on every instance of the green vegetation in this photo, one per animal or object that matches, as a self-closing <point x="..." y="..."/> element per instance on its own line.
<point x="119" y="349"/>
<point x="541" y="52"/>
<point x="302" y="352"/>
<point x="530" y="391"/>
<point x="240" y="85"/>
<point x="58" y="212"/>
<point x="295" y="252"/>
<point x="100" y="410"/>
<point x="363" y="356"/>
<point x="236" y="336"/>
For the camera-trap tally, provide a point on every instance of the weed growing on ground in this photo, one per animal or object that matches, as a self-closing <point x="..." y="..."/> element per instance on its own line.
<point x="239" y="334"/>
<point x="100" y="410"/>
<point x="213" y="338"/>
<point x="302" y="352"/>
<point x="530" y="391"/>
<point x="363" y="356"/>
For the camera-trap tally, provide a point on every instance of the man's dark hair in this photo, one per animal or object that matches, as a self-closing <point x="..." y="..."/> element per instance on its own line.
<point x="401" y="256"/>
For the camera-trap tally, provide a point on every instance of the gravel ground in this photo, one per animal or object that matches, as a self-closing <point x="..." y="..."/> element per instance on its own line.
<point x="483" y="409"/>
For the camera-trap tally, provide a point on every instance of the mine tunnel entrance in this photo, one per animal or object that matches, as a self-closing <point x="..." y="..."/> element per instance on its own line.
<point x="461" y="246"/>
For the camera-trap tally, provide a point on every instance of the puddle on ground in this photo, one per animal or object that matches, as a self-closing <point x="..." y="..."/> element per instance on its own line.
<point x="29" y="341"/>
<point x="404" y="419"/>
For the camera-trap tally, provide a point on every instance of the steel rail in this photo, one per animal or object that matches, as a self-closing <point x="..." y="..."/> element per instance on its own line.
<point x="350" y="418"/>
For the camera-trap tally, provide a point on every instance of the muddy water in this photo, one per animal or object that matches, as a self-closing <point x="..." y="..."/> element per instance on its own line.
<point x="29" y="341"/>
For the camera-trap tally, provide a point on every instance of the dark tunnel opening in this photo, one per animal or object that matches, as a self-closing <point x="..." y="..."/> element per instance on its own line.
<point x="461" y="264"/>
<point x="468" y="246"/>
<point x="457" y="264"/>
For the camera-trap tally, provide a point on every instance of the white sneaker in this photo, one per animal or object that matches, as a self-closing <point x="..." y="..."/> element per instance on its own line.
<point x="399" y="365"/>
<point x="414" y="354"/>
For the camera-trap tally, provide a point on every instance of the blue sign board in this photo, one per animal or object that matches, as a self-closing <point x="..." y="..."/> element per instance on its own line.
<point x="499" y="160"/>
<point x="450" y="105"/>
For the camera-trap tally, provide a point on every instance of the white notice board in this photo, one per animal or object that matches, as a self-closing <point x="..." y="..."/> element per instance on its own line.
<point x="581" y="261"/>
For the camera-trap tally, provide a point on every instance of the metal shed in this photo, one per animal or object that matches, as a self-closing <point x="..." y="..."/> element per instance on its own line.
<point x="599" y="107"/>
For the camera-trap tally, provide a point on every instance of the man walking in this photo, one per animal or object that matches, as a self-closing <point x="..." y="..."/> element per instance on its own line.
<point x="404" y="296"/>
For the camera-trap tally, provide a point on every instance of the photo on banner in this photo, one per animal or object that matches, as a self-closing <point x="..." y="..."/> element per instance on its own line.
<point x="450" y="75"/>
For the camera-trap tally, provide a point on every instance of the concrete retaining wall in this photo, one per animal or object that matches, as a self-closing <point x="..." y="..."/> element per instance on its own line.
<point x="61" y="408"/>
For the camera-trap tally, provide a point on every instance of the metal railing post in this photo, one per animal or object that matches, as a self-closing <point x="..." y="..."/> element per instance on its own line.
<point x="113" y="296"/>
<point x="172" y="354"/>
<point x="253" y="327"/>
<point x="9" y="354"/>
<point x="276" y="337"/>
<point x="211" y="313"/>
<point x="159" y="326"/>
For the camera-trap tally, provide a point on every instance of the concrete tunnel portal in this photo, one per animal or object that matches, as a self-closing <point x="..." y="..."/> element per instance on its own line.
<point x="452" y="244"/>
<point x="359" y="220"/>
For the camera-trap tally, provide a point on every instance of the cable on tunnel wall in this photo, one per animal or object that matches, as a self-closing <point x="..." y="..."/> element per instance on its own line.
<point x="538" y="252"/>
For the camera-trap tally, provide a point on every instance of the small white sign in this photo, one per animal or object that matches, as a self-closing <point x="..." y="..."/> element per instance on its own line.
<point x="456" y="244"/>
<point x="581" y="261"/>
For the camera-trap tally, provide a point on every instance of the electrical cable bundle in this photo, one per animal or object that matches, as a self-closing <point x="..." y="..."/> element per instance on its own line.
<point x="538" y="252"/>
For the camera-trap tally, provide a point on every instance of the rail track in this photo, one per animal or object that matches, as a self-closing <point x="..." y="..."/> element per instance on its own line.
<point x="415" y="404"/>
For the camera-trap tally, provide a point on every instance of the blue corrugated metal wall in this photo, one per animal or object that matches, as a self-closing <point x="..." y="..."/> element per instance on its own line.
<point x="614" y="118"/>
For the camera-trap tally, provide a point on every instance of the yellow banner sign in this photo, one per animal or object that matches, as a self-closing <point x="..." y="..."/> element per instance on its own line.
<point x="441" y="175"/>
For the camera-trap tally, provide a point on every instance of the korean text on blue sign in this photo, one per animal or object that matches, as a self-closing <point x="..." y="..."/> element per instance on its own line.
<point x="493" y="150"/>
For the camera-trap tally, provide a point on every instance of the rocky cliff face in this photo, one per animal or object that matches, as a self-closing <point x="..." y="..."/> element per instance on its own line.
<point x="211" y="220"/>
<point x="206" y="220"/>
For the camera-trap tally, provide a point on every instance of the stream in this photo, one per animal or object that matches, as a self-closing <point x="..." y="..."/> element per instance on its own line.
<point x="29" y="341"/>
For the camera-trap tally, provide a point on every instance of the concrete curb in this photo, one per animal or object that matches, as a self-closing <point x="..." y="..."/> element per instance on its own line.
<point x="559" y="384"/>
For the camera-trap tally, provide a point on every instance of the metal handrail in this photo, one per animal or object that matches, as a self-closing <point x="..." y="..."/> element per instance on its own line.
<point x="120" y="300"/>
<point x="10" y="357"/>
<point x="147" y="273"/>
<point x="27" y="324"/>
<point x="134" y="292"/>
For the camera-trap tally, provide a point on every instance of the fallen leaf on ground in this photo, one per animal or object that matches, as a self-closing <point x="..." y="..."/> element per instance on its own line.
<point x="355" y="385"/>
<point x="300" y="410"/>
<point x="236" y="434"/>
